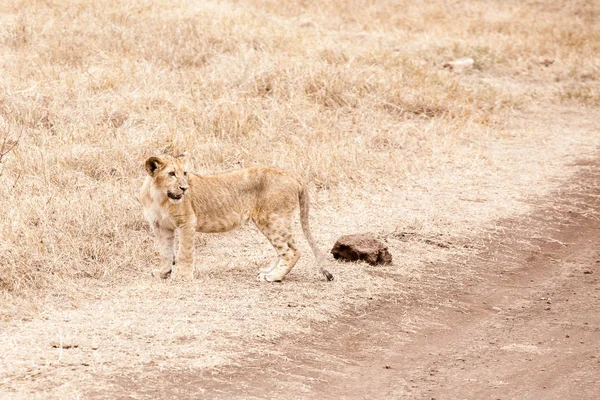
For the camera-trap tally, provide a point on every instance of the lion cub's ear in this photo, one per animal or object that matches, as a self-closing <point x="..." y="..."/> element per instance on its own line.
<point x="154" y="164"/>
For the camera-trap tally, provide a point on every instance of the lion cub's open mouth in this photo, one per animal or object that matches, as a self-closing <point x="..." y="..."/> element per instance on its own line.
<point x="175" y="196"/>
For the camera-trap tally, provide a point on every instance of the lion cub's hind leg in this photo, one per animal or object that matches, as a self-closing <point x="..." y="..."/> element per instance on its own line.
<point x="279" y="234"/>
<point x="271" y="266"/>
<point x="277" y="262"/>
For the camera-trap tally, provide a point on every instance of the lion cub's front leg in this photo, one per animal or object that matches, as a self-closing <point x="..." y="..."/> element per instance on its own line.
<point x="184" y="267"/>
<point x="165" y="238"/>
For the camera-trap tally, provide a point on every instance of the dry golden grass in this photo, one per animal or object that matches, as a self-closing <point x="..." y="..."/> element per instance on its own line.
<point x="351" y="94"/>
<point x="347" y="93"/>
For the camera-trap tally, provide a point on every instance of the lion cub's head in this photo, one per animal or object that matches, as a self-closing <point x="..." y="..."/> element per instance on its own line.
<point x="170" y="177"/>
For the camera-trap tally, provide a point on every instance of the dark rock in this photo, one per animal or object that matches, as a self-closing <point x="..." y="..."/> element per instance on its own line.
<point x="361" y="247"/>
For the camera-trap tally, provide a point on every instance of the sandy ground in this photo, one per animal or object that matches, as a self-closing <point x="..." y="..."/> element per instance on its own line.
<point x="527" y="329"/>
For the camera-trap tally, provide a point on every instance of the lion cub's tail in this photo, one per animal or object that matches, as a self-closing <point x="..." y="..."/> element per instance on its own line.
<point x="304" y="210"/>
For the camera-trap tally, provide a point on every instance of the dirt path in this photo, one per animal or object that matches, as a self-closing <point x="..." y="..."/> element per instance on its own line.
<point x="528" y="327"/>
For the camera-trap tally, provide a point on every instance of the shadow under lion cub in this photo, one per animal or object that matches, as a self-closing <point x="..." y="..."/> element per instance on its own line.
<point x="174" y="199"/>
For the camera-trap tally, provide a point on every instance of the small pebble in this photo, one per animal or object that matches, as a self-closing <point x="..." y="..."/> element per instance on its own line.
<point x="64" y="345"/>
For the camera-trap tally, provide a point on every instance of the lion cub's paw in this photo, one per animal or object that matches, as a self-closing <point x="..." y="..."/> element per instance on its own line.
<point x="164" y="274"/>
<point x="186" y="274"/>
<point x="266" y="277"/>
<point x="271" y="267"/>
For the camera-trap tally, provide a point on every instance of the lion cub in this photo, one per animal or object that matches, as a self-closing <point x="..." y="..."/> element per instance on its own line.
<point x="174" y="199"/>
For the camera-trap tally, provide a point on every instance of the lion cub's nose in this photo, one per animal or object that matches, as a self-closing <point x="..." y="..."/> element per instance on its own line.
<point x="183" y="188"/>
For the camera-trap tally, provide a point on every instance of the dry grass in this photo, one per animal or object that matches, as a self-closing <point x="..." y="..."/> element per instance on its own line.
<point x="325" y="89"/>
<point x="352" y="94"/>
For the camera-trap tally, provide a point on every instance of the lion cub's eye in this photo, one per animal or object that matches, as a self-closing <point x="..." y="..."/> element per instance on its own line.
<point x="185" y="173"/>
<point x="172" y="173"/>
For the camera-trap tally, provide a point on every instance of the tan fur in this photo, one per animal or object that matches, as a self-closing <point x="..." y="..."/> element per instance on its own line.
<point x="176" y="200"/>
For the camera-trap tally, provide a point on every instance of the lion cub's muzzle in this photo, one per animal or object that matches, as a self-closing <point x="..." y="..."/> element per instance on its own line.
<point x="177" y="196"/>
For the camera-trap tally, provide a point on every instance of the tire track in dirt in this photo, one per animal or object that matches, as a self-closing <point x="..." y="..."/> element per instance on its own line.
<point x="527" y="327"/>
